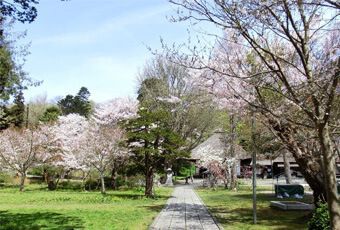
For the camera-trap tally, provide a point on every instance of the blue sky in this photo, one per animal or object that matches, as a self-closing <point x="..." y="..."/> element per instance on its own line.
<point x="99" y="44"/>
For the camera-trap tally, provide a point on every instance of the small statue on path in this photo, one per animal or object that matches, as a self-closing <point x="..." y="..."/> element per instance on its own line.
<point x="169" y="174"/>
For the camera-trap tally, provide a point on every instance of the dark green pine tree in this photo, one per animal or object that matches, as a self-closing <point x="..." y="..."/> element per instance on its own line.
<point x="152" y="143"/>
<point x="82" y="103"/>
<point x="79" y="104"/>
<point x="51" y="114"/>
<point x="66" y="105"/>
<point x="17" y="111"/>
<point x="4" y="117"/>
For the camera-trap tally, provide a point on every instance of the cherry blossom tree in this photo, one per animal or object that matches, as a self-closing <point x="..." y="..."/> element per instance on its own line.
<point x="289" y="58"/>
<point x="70" y="132"/>
<point x="20" y="150"/>
<point x="109" y="115"/>
<point x="111" y="112"/>
<point x="217" y="172"/>
<point x="169" y="85"/>
<point x="101" y="147"/>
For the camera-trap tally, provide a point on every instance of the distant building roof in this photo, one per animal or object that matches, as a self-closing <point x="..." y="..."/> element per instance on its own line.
<point x="278" y="157"/>
<point x="215" y="148"/>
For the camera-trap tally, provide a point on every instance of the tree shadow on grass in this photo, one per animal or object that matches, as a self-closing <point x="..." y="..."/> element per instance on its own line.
<point x="135" y="196"/>
<point x="266" y="216"/>
<point x="38" y="220"/>
<point x="269" y="197"/>
<point x="155" y="208"/>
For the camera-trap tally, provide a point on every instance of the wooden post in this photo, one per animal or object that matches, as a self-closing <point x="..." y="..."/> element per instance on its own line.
<point x="254" y="168"/>
<point x="233" y="176"/>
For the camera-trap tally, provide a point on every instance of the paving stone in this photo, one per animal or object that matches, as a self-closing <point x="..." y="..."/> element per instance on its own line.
<point x="184" y="210"/>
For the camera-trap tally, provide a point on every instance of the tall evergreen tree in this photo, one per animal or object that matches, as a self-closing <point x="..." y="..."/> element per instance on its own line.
<point x="79" y="104"/>
<point x="4" y="117"/>
<point x="17" y="111"/>
<point x="152" y="143"/>
<point x="13" y="80"/>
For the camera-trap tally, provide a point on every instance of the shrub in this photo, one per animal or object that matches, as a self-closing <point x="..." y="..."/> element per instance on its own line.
<point x="91" y="184"/>
<point x="5" y="178"/>
<point x="94" y="184"/>
<point x="120" y="181"/>
<point x="136" y="181"/>
<point x="320" y="219"/>
<point x="72" y="185"/>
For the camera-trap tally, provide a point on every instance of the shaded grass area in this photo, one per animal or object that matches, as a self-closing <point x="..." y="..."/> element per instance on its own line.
<point x="37" y="208"/>
<point x="234" y="210"/>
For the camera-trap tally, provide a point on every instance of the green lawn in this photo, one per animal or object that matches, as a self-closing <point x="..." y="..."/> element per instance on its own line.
<point x="233" y="210"/>
<point x="37" y="208"/>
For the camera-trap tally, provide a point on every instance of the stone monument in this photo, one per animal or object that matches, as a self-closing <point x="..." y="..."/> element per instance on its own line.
<point x="169" y="174"/>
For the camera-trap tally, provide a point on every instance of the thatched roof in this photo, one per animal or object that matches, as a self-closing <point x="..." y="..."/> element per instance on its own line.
<point x="215" y="148"/>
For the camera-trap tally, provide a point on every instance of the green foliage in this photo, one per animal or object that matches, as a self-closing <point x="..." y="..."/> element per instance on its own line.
<point x="13" y="80"/>
<point x="23" y="10"/>
<point x="5" y="178"/>
<point x="136" y="181"/>
<point x="5" y="118"/>
<point x="10" y="82"/>
<point x="158" y="144"/>
<point x="70" y="185"/>
<point x="187" y="171"/>
<point x="94" y="184"/>
<point x="183" y="168"/>
<point x="9" y="77"/>
<point x="265" y="140"/>
<point x="79" y="104"/>
<point x="17" y="111"/>
<point x="91" y="184"/>
<point x="320" y="219"/>
<point x="13" y="115"/>
<point x="193" y="116"/>
<point x="150" y="89"/>
<point x="51" y="114"/>
<point x="153" y="143"/>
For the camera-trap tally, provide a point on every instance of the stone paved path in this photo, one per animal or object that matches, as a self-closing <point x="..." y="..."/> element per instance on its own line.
<point x="184" y="210"/>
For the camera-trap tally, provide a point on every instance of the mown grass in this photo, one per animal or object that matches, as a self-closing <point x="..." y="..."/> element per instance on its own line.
<point x="234" y="210"/>
<point x="37" y="208"/>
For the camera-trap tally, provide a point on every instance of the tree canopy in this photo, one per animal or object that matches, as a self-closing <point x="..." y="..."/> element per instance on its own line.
<point x="79" y="103"/>
<point x="281" y="59"/>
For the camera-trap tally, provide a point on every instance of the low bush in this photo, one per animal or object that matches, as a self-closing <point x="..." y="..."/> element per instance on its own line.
<point x="121" y="182"/>
<point x="5" y="178"/>
<point x="91" y="184"/>
<point x="94" y="184"/>
<point x="136" y="181"/>
<point x="72" y="185"/>
<point x="320" y="219"/>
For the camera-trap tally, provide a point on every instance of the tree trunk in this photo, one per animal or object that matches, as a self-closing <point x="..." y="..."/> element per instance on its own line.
<point x="85" y="175"/>
<point x="102" y="182"/>
<point x="149" y="182"/>
<point x="113" y="178"/>
<point x="227" y="176"/>
<point x="309" y="163"/>
<point x="233" y="171"/>
<point x="288" y="174"/>
<point x="51" y="181"/>
<point x="60" y="177"/>
<point x="46" y="176"/>
<point x="22" y="181"/>
<point x="329" y="170"/>
<point x="233" y="181"/>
